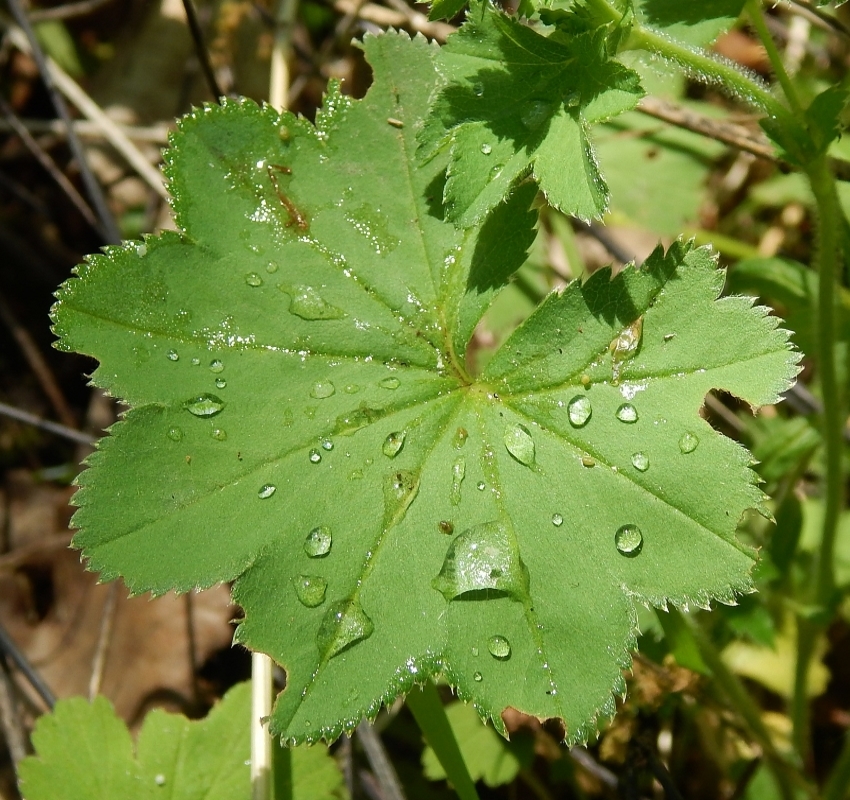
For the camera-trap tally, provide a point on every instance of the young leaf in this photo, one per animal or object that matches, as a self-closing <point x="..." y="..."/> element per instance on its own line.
<point x="515" y="103"/>
<point x="303" y="421"/>
<point x="697" y="24"/>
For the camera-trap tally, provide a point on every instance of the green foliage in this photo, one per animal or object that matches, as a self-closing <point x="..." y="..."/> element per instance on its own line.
<point x="303" y="420"/>
<point x="87" y="750"/>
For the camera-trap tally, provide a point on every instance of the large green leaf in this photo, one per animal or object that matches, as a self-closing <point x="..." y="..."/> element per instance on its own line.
<point x="515" y="103"/>
<point x="303" y="421"/>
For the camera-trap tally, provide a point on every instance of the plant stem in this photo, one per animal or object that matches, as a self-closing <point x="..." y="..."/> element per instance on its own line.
<point x="838" y="784"/>
<point x="828" y="255"/>
<point x="261" y="740"/>
<point x="757" y="18"/>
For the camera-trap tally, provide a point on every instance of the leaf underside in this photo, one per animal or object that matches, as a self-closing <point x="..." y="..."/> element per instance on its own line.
<point x="302" y="421"/>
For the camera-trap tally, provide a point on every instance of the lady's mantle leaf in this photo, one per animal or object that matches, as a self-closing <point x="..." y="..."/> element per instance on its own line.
<point x="515" y="103"/>
<point x="303" y="423"/>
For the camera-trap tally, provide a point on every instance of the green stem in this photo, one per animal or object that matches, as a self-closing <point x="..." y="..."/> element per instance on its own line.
<point x="757" y="18"/>
<point x="838" y="784"/>
<point x="828" y="254"/>
<point x="430" y="716"/>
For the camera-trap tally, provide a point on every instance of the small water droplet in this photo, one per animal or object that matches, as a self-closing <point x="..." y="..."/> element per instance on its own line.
<point x="486" y="149"/>
<point x="481" y="486"/>
<point x="204" y="405"/>
<point x="318" y="542"/>
<point x="344" y="623"/>
<point x="272" y="267"/>
<point x="307" y="303"/>
<point x="588" y="461"/>
<point x="459" y="438"/>
<point x="579" y="410"/>
<point x="572" y="100"/>
<point x="458" y="474"/>
<point x="315" y="456"/>
<point x="196" y="362"/>
<point x="351" y="388"/>
<point x="322" y="390"/>
<point x="688" y="442"/>
<point x="327" y="444"/>
<point x="519" y="444"/>
<point x="475" y="652"/>
<point x="534" y="113"/>
<point x="172" y="355"/>
<point x="629" y="540"/>
<point x="668" y="336"/>
<point x="216" y="366"/>
<point x="499" y="647"/>
<point x="478" y="89"/>
<point x="477" y="677"/>
<point x="220" y="383"/>
<point x="640" y="461"/>
<point x="310" y="590"/>
<point x="253" y="279"/>
<point x="625" y="347"/>
<point x="159" y="779"/>
<point x="585" y="381"/>
<point x="393" y="444"/>
<point x="390" y="383"/>
<point x="266" y="491"/>
<point x="627" y="413"/>
<point x="175" y="434"/>
<point x="219" y="434"/>
<point x="557" y="520"/>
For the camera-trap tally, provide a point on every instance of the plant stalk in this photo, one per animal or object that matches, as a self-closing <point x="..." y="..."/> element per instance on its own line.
<point x="261" y="740"/>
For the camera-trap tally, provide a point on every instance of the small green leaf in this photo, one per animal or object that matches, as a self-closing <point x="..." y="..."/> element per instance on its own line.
<point x="697" y="24"/>
<point x="515" y="103"/>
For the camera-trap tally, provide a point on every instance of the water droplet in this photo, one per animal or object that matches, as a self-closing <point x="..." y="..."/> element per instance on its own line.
<point x="393" y="444"/>
<point x="688" y="442"/>
<point x="327" y="444"/>
<point x="458" y="474"/>
<point x="310" y="590"/>
<point x="640" y="461"/>
<point x="486" y="149"/>
<point x="588" y="461"/>
<point x="446" y="526"/>
<point x="220" y="383"/>
<point x="310" y="411"/>
<point x="483" y="557"/>
<point x="172" y="355"/>
<point x="219" y="435"/>
<point x="204" y="405"/>
<point x="315" y="456"/>
<point x="318" y="542"/>
<point x="481" y="486"/>
<point x="627" y="413"/>
<point x="534" y="113"/>
<point x="625" y="347"/>
<point x="196" y="362"/>
<point x="585" y="380"/>
<point x="351" y="388"/>
<point x="307" y="303"/>
<point x="460" y="437"/>
<point x="572" y="100"/>
<point x="374" y="225"/>
<point x="322" y="390"/>
<point x="266" y="491"/>
<point x="390" y="383"/>
<point x="400" y="489"/>
<point x="175" y="434"/>
<point x="557" y="520"/>
<point x="477" y="677"/>
<point x="272" y="267"/>
<point x="345" y="623"/>
<point x="499" y="647"/>
<point x="478" y="89"/>
<point x="216" y="366"/>
<point x="358" y="418"/>
<point x="519" y="444"/>
<point x="629" y="540"/>
<point x="668" y="336"/>
<point x="253" y="279"/>
<point x="579" y="410"/>
<point x="159" y="779"/>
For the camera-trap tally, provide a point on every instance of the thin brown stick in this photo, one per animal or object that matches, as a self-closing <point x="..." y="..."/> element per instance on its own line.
<point x="387" y="17"/>
<point x="67" y="11"/>
<point x="827" y="20"/>
<point x="104" y="637"/>
<point x="45" y="424"/>
<point x="9" y="718"/>
<point x="86" y="129"/>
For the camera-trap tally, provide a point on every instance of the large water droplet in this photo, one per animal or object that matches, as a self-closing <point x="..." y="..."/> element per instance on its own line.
<point x="253" y="279"/>
<point x="266" y="491"/>
<point x="579" y="410"/>
<point x="519" y="444"/>
<point x="483" y="557"/>
<point x="458" y="474"/>
<point x="393" y="443"/>
<point x="688" y="442"/>
<point x="216" y="366"/>
<point x="322" y="390"/>
<point x="307" y="303"/>
<point x="534" y="113"/>
<point x="318" y="542"/>
<point x="557" y="520"/>
<point x="625" y="347"/>
<point x="629" y="540"/>
<point x="640" y="461"/>
<point x="175" y="434"/>
<point x="310" y="589"/>
<point x="172" y="355"/>
<point x="390" y="383"/>
<point x="204" y="405"/>
<point x="499" y="647"/>
<point x="344" y="623"/>
<point x="627" y="413"/>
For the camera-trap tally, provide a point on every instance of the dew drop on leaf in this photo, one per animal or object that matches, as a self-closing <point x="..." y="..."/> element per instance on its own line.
<point x="640" y="461"/>
<point x="172" y="355"/>
<point x="266" y="491"/>
<point x="310" y="590"/>
<point x="481" y="486"/>
<point x="322" y="390"/>
<point x="315" y="456"/>
<point x="534" y="113"/>
<point x="400" y="489"/>
<point x="318" y="542"/>
<point x="327" y="445"/>
<point x="344" y="623"/>
<point x="557" y="520"/>
<point x="351" y="388"/>
<point x="393" y="444"/>
<point x="204" y="405"/>
<point x="271" y="267"/>
<point x="305" y="302"/>
<point x="458" y="474"/>
<point x="216" y="366"/>
<point x="460" y="437"/>
<point x="486" y="149"/>
<point x="220" y="383"/>
<point x="196" y="362"/>
<point x="629" y="540"/>
<point x="499" y="647"/>
<point x="627" y="413"/>
<point x="519" y="444"/>
<point x="688" y="442"/>
<point x="219" y="434"/>
<point x="253" y="279"/>
<point x="477" y="677"/>
<point x="159" y="779"/>
<point x="483" y="557"/>
<point x="588" y="461"/>
<point x="478" y="89"/>
<point x="175" y="434"/>
<point x="579" y="410"/>
<point x="390" y="383"/>
<point x="625" y="347"/>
